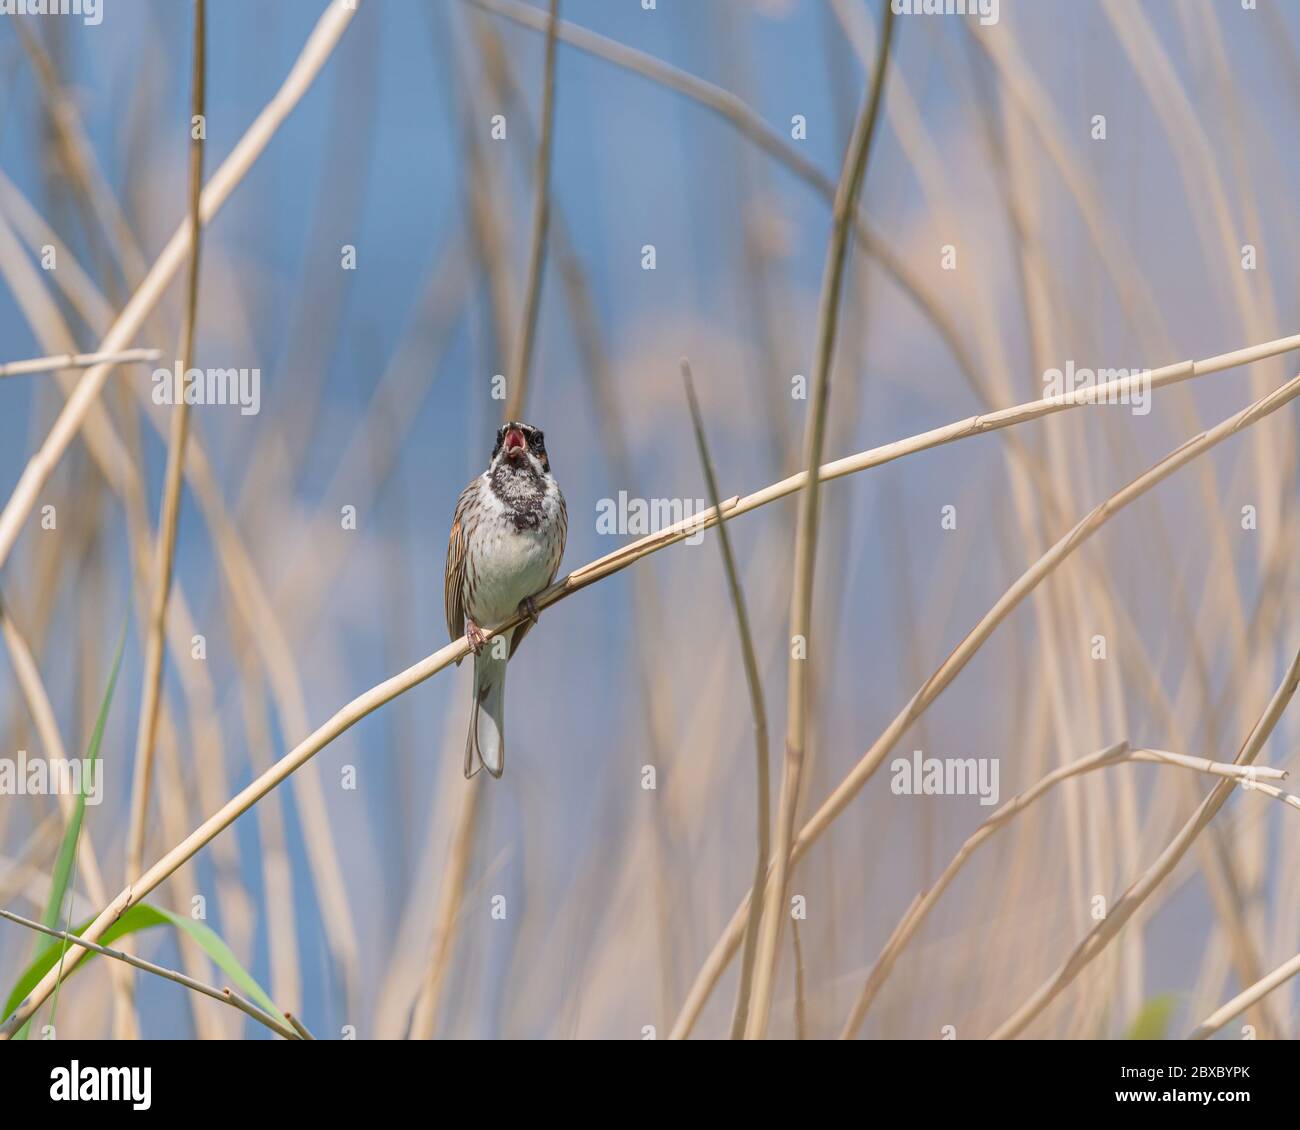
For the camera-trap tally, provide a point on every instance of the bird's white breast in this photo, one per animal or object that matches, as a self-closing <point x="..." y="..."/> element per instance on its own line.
<point x="508" y="564"/>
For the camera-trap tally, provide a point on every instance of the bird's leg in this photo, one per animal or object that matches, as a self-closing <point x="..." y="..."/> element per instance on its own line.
<point x="475" y="635"/>
<point x="528" y="608"/>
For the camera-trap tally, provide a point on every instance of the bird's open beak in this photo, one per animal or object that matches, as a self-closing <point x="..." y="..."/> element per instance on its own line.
<point x="515" y="444"/>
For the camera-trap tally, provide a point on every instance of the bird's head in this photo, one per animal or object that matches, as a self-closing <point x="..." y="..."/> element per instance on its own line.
<point x="520" y="446"/>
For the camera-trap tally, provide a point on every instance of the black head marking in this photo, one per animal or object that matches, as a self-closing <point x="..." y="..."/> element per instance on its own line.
<point x="533" y="439"/>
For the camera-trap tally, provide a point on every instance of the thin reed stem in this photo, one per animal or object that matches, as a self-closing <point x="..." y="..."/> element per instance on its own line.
<point x="606" y="566"/>
<point x="1126" y="906"/>
<point x="840" y="797"/>
<point x="805" y="552"/>
<point x="315" y="53"/>
<point x="754" y="684"/>
<point x="77" y="361"/>
<point x="225" y="995"/>
<point x="169" y="509"/>
<point x="522" y="368"/>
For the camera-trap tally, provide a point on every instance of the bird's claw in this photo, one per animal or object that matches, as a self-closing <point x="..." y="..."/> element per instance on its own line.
<point x="474" y="634"/>
<point x="528" y="609"/>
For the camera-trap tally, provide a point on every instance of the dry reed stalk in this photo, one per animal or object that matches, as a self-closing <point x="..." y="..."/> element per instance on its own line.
<point x="750" y="124"/>
<point x="489" y="224"/>
<point x="77" y="361"/>
<point x="184" y="893"/>
<point x="839" y="529"/>
<point x="173" y="801"/>
<point x="32" y="686"/>
<point x="455" y="878"/>
<point x="325" y="36"/>
<point x="1077" y="457"/>
<point x="82" y="292"/>
<point x="1122" y="910"/>
<point x="1031" y="483"/>
<point x="1038" y="294"/>
<point x="108" y="453"/>
<point x="298" y="1025"/>
<point x="750" y="188"/>
<point x="1171" y="719"/>
<point x="208" y="755"/>
<point x="1122" y="269"/>
<point x="620" y="559"/>
<point x="77" y="155"/>
<point x="225" y="995"/>
<point x="1135" y="299"/>
<point x="961" y="655"/>
<point x="1077" y="464"/>
<point x="1220" y="232"/>
<point x="805" y="556"/>
<point x="1217" y="227"/>
<point x="1249" y="996"/>
<point x="258" y="614"/>
<point x="489" y="249"/>
<point x="405" y="382"/>
<point x="120" y="471"/>
<point x="280" y="912"/>
<point x="319" y="318"/>
<point x="649" y="616"/>
<point x="19" y="878"/>
<point x="424" y="1022"/>
<point x="51" y="330"/>
<point x="274" y="862"/>
<point x="720" y="101"/>
<point x="1191" y="146"/>
<point x="648" y="612"/>
<point x="925" y="901"/>
<point x="280" y="669"/>
<point x="407" y="961"/>
<point x="169" y="507"/>
<point x="1137" y="303"/>
<point x="754" y="684"/>
<point x="521" y="369"/>
<point x="400" y="392"/>
<point x="288" y="691"/>
<point x="1076" y="717"/>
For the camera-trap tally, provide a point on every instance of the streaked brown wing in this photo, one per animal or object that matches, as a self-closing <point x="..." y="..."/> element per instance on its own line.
<point x="453" y="589"/>
<point x="563" y="522"/>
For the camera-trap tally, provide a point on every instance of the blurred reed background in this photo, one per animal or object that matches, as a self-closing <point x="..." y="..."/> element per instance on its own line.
<point x="996" y="236"/>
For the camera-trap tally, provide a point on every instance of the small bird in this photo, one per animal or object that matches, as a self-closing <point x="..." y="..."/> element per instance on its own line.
<point x="506" y="542"/>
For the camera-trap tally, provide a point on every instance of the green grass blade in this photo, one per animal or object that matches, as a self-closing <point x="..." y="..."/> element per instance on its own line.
<point x="144" y="916"/>
<point x="65" y="863"/>
<point x="1152" y="1022"/>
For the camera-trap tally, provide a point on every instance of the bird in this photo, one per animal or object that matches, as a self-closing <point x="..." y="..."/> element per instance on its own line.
<point x="507" y="539"/>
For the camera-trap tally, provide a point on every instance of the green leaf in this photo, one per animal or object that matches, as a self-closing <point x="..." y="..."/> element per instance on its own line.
<point x="143" y="916"/>
<point x="71" y="834"/>
<point x="66" y="861"/>
<point x="1152" y="1021"/>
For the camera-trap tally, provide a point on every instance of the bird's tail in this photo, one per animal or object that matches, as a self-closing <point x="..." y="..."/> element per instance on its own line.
<point x="485" y="747"/>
